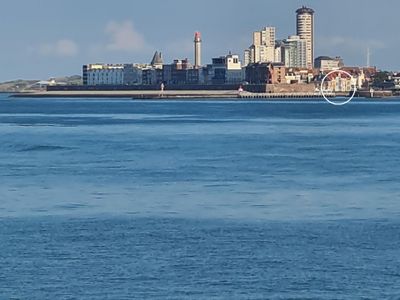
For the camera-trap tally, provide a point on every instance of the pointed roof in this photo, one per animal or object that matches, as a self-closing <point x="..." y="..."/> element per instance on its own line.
<point x="157" y="59"/>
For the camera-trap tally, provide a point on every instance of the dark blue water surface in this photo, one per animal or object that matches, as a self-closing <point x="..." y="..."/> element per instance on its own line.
<point x="120" y="199"/>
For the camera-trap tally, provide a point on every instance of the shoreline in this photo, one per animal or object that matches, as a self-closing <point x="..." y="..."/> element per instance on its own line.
<point x="178" y="95"/>
<point x="184" y="94"/>
<point x="129" y="94"/>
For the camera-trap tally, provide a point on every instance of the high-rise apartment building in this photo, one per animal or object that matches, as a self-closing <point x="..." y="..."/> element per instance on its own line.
<point x="268" y="36"/>
<point x="295" y="52"/>
<point x="263" y="47"/>
<point x="265" y="37"/>
<point x="305" y="30"/>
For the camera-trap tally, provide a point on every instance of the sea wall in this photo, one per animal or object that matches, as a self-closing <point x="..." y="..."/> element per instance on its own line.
<point x="175" y="87"/>
<point x="291" y="88"/>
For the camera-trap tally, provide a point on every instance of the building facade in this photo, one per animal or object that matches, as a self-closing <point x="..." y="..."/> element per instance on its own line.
<point x="103" y="74"/>
<point x="152" y="76"/>
<point x="265" y="73"/>
<point x="268" y="35"/>
<point x="263" y="47"/>
<point x="279" y="52"/>
<point x="177" y="72"/>
<point x="247" y="57"/>
<point x="299" y="75"/>
<point x="224" y="70"/>
<point x="132" y="74"/>
<point x="257" y="73"/>
<point x="326" y="63"/>
<point x="277" y="73"/>
<point x="340" y="83"/>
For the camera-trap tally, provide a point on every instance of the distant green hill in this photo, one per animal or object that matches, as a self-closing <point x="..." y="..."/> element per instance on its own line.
<point x="21" y="85"/>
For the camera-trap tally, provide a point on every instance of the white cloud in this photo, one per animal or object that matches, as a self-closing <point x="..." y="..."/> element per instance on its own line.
<point x="63" y="48"/>
<point x="124" y="37"/>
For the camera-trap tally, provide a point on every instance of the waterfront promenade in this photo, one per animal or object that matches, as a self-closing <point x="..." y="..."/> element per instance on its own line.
<point x="201" y="94"/>
<point x="130" y="94"/>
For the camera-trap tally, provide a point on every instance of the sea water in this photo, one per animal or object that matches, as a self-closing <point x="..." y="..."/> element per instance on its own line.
<point x="123" y="199"/>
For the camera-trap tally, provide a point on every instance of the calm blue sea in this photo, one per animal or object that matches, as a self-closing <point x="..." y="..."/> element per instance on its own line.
<point x="124" y="199"/>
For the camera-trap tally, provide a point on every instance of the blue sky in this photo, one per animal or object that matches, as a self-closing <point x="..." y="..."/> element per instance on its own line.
<point x="43" y="38"/>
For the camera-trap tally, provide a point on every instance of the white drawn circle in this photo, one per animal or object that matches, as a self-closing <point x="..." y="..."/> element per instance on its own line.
<point x="332" y="102"/>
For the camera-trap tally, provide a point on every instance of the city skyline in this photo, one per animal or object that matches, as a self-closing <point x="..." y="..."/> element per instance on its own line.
<point x="45" y="44"/>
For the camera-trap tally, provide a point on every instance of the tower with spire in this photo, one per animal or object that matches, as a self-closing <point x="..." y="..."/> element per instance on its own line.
<point x="157" y="61"/>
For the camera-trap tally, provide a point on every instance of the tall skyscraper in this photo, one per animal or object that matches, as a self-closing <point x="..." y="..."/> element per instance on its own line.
<point x="197" y="50"/>
<point x="305" y="30"/>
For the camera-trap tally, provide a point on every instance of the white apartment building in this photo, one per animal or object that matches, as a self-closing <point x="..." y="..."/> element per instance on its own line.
<point x="113" y="74"/>
<point x="103" y="74"/>
<point x="263" y="47"/>
<point x="262" y="53"/>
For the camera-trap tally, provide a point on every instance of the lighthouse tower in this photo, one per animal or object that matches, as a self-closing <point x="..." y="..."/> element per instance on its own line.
<point x="197" y="50"/>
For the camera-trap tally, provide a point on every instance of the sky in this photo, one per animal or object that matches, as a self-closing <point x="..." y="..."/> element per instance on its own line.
<point x="50" y="38"/>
